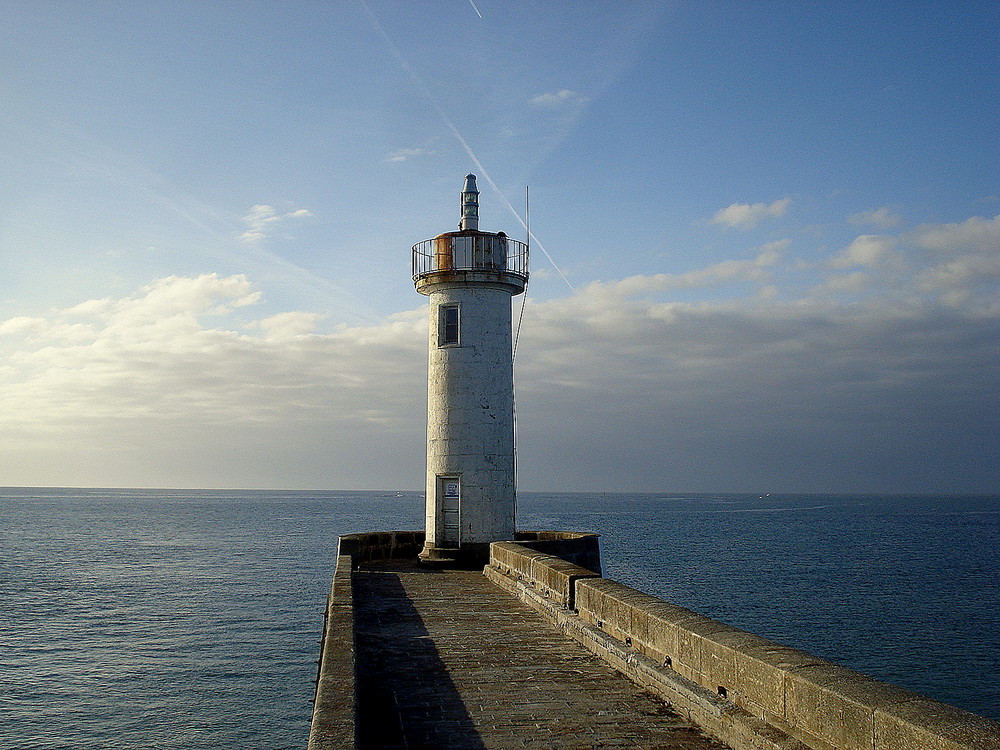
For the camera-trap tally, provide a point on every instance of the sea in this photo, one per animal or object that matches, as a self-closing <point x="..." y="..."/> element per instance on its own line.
<point x="163" y="619"/>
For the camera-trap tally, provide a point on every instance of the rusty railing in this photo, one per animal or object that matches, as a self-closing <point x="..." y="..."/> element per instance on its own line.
<point x="471" y="252"/>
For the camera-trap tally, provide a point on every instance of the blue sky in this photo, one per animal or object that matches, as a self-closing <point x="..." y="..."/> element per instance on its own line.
<point x="766" y="254"/>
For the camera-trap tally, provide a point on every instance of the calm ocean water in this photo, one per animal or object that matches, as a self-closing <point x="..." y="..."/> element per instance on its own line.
<point x="190" y="619"/>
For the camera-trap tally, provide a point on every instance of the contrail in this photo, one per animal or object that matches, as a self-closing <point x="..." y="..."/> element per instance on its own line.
<point x="475" y="8"/>
<point x="419" y="83"/>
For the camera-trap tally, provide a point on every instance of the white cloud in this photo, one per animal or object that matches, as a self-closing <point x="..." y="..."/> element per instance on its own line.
<point x="21" y="324"/>
<point x="958" y="278"/>
<point x="288" y="325"/>
<point x="975" y="234"/>
<point x="262" y="220"/>
<point x="883" y="218"/>
<point x="964" y="259"/>
<point x="865" y="250"/>
<point x="560" y="98"/>
<point x="755" y="269"/>
<point x="747" y="216"/>
<point x="777" y="246"/>
<point x="957" y="264"/>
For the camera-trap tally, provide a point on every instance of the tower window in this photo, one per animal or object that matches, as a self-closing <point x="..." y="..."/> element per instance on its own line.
<point x="448" y="325"/>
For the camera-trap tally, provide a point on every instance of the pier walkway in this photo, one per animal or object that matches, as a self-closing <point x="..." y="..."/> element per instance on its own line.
<point x="446" y="659"/>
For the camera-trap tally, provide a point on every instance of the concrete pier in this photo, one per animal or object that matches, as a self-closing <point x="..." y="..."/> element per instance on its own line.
<point x="448" y="659"/>
<point x="537" y="650"/>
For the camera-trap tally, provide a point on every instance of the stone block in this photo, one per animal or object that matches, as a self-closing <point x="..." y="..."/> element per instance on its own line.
<point x="512" y="556"/>
<point x="338" y="642"/>
<point x="719" y="651"/>
<point x="925" y="724"/>
<point x="557" y="577"/>
<point x="609" y="603"/>
<point x="761" y="670"/>
<point x="660" y="620"/>
<point x="617" y="611"/>
<point x="837" y="705"/>
<point x="500" y="553"/>
<point x="342" y="592"/>
<point x="406" y="544"/>
<point x="581" y="548"/>
<point x="691" y="634"/>
<point x="637" y="605"/>
<point x="586" y="599"/>
<point x="600" y="601"/>
<point x="352" y="545"/>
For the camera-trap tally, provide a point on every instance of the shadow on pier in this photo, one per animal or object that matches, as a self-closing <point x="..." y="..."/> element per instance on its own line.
<point x="406" y="697"/>
<point x="447" y="659"/>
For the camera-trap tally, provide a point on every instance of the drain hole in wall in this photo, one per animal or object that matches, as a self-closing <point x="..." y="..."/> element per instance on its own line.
<point x="628" y="641"/>
<point x="722" y="692"/>
<point x="667" y="661"/>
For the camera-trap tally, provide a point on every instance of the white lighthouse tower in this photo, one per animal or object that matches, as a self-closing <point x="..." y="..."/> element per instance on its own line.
<point x="470" y="278"/>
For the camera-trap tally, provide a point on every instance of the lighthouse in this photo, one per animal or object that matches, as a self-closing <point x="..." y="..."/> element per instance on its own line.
<point x="469" y="278"/>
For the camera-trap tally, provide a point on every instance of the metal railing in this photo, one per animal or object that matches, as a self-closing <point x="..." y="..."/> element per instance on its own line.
<point x="473" y="252"/>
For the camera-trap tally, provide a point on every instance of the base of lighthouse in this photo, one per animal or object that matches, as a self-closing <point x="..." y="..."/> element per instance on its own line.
<point x="472" y="557"/>
<point x="460" y="512"/>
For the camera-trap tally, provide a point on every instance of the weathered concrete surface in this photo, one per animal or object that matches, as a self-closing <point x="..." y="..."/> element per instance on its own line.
<point x="333" y="719"/>
<point x="447" y="659"/>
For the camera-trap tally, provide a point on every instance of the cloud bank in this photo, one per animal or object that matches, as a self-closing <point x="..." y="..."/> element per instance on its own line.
<point x="878" y="375"/>
<point x="178" y="385"/>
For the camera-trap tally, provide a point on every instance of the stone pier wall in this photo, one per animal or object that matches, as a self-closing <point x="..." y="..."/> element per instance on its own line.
<point x="334" y="706"/>
<point x="381" y="545"/>
<point x="749" y="692"/>
<point x="576" y="547"/>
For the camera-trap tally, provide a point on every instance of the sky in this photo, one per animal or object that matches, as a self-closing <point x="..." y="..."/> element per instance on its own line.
<point x="765" y="239"/>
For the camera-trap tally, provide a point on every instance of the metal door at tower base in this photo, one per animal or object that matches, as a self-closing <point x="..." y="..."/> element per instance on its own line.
<point x="449" y="504"/>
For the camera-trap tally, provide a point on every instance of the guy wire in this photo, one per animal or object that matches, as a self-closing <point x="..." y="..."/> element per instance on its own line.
<point x="517" y="333"/>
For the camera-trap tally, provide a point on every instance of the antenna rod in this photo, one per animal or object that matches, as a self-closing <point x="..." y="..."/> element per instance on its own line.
<point x="527" y="218"/>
